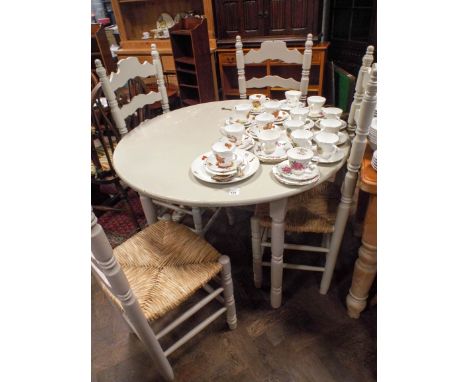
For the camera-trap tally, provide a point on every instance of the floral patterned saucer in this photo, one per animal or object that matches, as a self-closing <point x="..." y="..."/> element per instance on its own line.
<point x="284" y="174"/>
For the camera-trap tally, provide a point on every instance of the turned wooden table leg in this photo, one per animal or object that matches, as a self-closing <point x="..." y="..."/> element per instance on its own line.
<point x="149" y="209"/>
<point x="277" y="214"/>
<point x="365" y="267"/>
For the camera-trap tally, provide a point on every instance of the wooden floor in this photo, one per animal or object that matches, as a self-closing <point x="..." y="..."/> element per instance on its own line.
<point x="310" y="338"/>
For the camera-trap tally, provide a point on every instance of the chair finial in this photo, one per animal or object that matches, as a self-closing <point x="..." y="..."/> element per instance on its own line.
<point x="98" y="63"/>
<point x="309" y="42"/>
<point x="154" y="51"/>
<point x="238" y="42"/>
<point x="368" y="57"/>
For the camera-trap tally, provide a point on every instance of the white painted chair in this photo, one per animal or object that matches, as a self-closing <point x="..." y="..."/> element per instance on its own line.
<point x="319" y="210"/>
<point x="128" y="69"/>
<point x="361" y="83"/>
<point x="154" y="272"/>
<point x="274" y="50"/>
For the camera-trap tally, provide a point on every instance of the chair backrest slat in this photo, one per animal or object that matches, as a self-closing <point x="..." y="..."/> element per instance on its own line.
<point x="274" y="50"/>
<point x="128" y="69"/>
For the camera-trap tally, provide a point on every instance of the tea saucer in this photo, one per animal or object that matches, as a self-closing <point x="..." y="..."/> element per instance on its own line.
<point x="342" y="137"/>
<point x="246" y="143"/>
<point x="259" y="110"/>
<point x="212" y="167"/>
<point x="199" y="170"/>
<point x="343" y="124"/>
<point x="315" y="115"/>
<point x="286" y="106"/>
<point x="337" y="155"/>
<point x="290" y="182"/>
<point x="233" y="119"/>
<point x="284" y="170"/>
<point x="253" y="130"/>
<point x="279" y="155"/>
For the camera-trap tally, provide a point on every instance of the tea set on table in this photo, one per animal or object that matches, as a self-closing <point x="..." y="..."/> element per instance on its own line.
<point x="293" y="137"/>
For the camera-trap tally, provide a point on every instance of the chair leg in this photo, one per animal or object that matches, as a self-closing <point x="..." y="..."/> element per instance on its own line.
<point x="197" y="221"/>
<point x="230" y="215"/>
<point x="228" y="292"/>
<point x="124" y="194"/>
<point x="257" y="253"/>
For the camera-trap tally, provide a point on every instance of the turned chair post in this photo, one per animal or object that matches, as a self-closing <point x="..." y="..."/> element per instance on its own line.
<point x="108" y="265"/>
<point x="306" y="67"/>
<point x="160" y="78"/>
<point x="358" y="148"/>
<point x="367" y="60"/>
<point x="111" y="98"/>
<point x="241" y="68"/>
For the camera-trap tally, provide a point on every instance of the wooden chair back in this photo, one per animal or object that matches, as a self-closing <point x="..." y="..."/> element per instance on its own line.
<point x="274" y="50"/>
<point x="128" y="69"/>
<point x="361" y="84"/>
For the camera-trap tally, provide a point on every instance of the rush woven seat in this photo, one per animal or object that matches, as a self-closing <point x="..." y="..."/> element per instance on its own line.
<point x="312" y="211"/>
<point x="165" y="264"/>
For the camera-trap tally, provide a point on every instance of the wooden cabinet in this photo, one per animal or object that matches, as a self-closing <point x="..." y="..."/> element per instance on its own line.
<point x="229" y="81"/>
<point x="264" y="18"/>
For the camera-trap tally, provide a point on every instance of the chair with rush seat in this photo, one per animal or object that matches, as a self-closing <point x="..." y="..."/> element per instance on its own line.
<point x="323" y="209"/>
<point x="155" y="271"/>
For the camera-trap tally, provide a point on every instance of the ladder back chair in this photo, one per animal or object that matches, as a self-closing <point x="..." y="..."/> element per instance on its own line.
<point x="274" y="50"/>
<point x="156" y="270"/>
<point x="104" y="138"/>
<point x="323" y="209"/>
<point x="361" y="83"/>
<point x="130" y="69"/>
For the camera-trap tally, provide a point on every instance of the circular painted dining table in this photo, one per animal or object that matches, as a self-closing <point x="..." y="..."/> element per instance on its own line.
<point x="154" y="159"/>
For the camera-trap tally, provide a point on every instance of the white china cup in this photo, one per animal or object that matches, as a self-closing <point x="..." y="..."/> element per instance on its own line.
<point x="224" y="153"/>
<point x="265" y="121"/>
<point x="242" y="110"/>
<point x="315" y="103"/>
<point x="299" y="159"/>
<point x="332" y="112"/>
<point x="268" y="140"/>
<point x="330" y="125"/>
<point x="300" y="113"/>
<point x="146" y="35"/>
<point x="272" y="107"/>
<point x="257" y="100"/>
<point x="233" y="132"/>
<point x="326" y="141"/>
<point x="293" y="124"/>
<point x="302" y="137"/>
<point x="292" y="96"/>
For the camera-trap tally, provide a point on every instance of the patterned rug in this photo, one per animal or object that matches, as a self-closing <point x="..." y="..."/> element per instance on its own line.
<point x="119" y="225"/>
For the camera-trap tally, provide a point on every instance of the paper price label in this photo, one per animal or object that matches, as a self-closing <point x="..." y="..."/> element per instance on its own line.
<point x="233" y="191"/>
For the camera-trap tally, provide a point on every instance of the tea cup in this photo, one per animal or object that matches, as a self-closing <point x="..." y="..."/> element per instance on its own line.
<point x="332" y="112"/>
<point x="330" y="125"/>
<point x="315" y="103"/>
<point x="292" y="96"/>
<point x="302" y="137"/>
<point x="265" y="121"/>
<point x="299" y="159"/>
<point x="326" y="143"/>
<point x="146" y="35"/>
<point x="224" y="153"/>
<point x="257" y="100"/>
<point x="272" y="107"/>
<point x="299" y="113"/>
<point x="242" y="111"/>
<point x="293" y="124"/>
<point x="234" y="132"/>
<point x="268" y="140"/>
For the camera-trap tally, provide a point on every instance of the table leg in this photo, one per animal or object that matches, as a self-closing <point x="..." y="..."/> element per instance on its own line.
<point x="149" y="209"/>
<point x="277" y="214"/>
<point x="365" y="267"/>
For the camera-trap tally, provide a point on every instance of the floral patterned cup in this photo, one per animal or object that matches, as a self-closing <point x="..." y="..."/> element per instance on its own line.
<point x="257" y="100"/>
<point x="268" y="140"/>
<point x="224" y="153"/>
<point x="299" y="159"/>
<point x="234" y="132"/>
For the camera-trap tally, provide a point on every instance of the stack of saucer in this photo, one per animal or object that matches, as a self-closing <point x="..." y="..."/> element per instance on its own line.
<point x="299" y="169"/>
<point x="372" y="137"/>
<point x="374" y="160"/>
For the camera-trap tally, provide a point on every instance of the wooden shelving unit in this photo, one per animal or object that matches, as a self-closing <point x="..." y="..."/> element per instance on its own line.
<point x="191" y="51"/>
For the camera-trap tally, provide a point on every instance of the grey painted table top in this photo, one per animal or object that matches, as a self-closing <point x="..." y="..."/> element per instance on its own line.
<point x="154" y="159"/>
